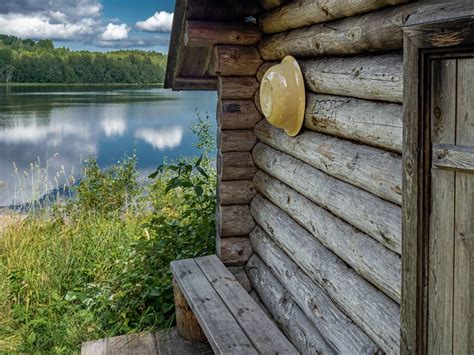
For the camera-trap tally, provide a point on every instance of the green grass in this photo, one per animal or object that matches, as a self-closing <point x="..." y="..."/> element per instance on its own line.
<point x="97" y="265"/>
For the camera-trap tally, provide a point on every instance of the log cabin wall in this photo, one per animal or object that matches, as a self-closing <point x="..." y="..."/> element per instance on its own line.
<point x="236" y="67"/>
<point x="327" y="239"/>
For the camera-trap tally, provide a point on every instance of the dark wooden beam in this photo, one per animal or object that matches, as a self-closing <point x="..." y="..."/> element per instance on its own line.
<point x="209" y="33"/>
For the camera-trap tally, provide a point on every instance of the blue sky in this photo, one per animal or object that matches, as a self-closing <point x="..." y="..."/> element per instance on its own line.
<point x="91" y="24"/>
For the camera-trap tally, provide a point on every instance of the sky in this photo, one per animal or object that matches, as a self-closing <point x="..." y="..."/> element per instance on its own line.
<point x="99" y="25"/>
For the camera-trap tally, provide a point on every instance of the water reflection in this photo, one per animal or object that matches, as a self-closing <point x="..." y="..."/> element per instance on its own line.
<point x="62" y="126"/>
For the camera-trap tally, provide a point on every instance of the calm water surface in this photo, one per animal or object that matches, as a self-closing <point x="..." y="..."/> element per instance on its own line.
<point x="55" y="128"/>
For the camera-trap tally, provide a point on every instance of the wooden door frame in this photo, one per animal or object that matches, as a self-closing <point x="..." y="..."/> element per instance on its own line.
<point x="426" y="37"/>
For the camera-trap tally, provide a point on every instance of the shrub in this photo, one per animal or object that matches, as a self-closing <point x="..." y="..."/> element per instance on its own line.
<point x="98" y="265"/>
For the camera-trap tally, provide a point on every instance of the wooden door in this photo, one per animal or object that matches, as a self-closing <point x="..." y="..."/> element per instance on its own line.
<point x="438" y="187"/>
<point x="450" y="295"/>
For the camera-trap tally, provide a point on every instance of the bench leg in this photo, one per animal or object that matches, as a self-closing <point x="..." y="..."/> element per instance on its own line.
<point x="186" y="323"/>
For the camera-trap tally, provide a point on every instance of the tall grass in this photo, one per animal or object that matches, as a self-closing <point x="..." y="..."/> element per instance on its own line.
<point x="97" y="264"/>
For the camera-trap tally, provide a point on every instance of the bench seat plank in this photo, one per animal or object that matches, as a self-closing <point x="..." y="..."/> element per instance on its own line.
<point x="262" y="332"/>
<point x="220" y="327"/>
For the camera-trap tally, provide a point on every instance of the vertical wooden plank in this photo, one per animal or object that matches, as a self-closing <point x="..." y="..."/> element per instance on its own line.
<point x="463" y="322"/>
<point x="440" y="244"/>
<point x="412" y="223"/>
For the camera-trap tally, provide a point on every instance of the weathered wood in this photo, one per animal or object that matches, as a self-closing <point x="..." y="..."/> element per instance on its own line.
<point x="186" y="323"/>
<point x="238" y="192"/>
<point x="376" y="31"/>
<point x="241" y="276"/>
<point x="234" y="251"/>
<point x="209" y="33"/>
<point x="302" y="333"/>
<point x="237" y="88"/>
<point x="453" y="157"/>
<point x="412" y="305"/>
<point x="369" y="258"/>
<point x="237" y="114"/>
<point x="236" y="166"/>
<point x="269" y="4"/>
<point x="369" y="168"/>
<point x="222" y="330"/>
<point x="261" y="331"/>
<point x="170" y="343"/>
<point x="237" y="140"/>
<point x="463" y="312"/>
<point x="308" y="12"/>
<point x="440" y="249"/>
<point x="375" y="123"/>
<point x="372" y="215"/>
<point x="370" y="309"/>
<point x="374" y="78"/>
<point x="336" y="327"/>
<point x="235" y="220"/>
<point x="94" y="347"/>
<point x="236" y="60"/>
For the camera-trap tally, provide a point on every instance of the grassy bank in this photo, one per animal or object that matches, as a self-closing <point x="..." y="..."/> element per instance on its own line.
<point x="97" y="265"/>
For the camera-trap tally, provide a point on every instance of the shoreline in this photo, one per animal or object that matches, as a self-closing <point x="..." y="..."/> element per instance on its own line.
<point x="79" y="84"/>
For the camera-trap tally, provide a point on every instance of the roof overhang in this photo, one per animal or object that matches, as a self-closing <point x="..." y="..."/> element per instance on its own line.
<point x="191" y="67"/>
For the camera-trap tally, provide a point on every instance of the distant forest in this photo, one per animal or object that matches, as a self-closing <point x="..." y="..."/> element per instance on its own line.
<point x="28" y="61"/>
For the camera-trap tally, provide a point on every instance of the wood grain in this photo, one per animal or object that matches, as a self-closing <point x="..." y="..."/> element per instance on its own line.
<point x="375" y="123"/>
<point x="369" y="168"/>
<point x="261" y="331"/>
<point x="222" y="330"/>
<point x="308" y="12"/>
<point x="286" y="312"/>
<point x="369" y="258"/>
<point x="210" y="33"/>
<point x="376" y="217"/>
<point x="370" y="309"/>
<point x="374" y="77"/>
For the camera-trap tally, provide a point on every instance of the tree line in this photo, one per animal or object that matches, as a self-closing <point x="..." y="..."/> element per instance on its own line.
<point x="29" y="61"/>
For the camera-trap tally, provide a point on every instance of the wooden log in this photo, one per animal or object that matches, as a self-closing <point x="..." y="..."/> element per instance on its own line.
<point x="374" y="78"/>
<point x="237" y="114"/>
<point x="270" y="4"/>
<point x="369" y="258"/>
<point x="234" y="251"/>
<point x="237" y="140"/>
<point x="209" y="33"/>
<point x="376" y="314"/>
<point x="235" y="220"/>
<point x="241" y="275"/>
<point x="308" y="12"/>
<point x="298" y="328"/>
<point x="375" y="123"/>
<point x="236" y="60"/>
<point x="376" y="31"/>
<point x="325" y="313"/>
<point x="186" y="323"/>
<point x="236" y="166"/>
<point x="369" y="168"/>
<point x="378" y="218"/>
<point x="237" y="88"/>
<point x="238" y="192"/>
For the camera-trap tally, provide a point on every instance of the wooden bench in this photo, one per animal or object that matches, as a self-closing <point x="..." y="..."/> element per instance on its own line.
<point x="230" y="319"/>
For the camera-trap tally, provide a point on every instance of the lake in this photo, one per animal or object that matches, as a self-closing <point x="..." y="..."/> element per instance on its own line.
<point x="46" y="131"/>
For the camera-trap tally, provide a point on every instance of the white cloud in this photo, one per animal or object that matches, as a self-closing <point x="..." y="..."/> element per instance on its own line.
<point x="39" y="26"/>
<point x="161" y="139"/>
<point x="160" y="22"/>
<point x="115" y="32"/>
<point x="114" y="127"/>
